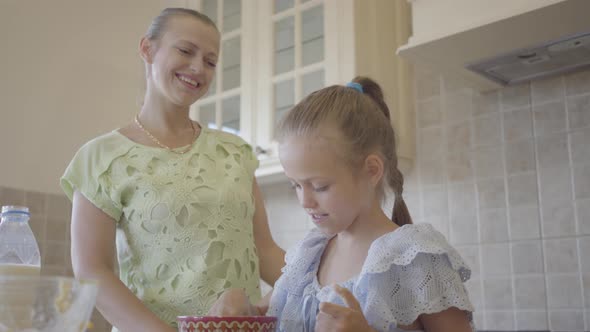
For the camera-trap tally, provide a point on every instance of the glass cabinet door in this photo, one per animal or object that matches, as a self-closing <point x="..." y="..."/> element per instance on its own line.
<point x="222" y="107"/>
<point x="298" y="55"/>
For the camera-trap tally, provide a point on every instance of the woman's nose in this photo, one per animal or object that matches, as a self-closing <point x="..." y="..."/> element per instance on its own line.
<point x="196" y="65"/>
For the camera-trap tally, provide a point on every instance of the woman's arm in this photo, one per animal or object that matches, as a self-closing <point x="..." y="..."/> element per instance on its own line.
<point x="271" y="256"/>
<point x="235" y="302"/>
<point x="449" y="320"/>
<point x="263" y="304"/>
<point x="93" y="252"/>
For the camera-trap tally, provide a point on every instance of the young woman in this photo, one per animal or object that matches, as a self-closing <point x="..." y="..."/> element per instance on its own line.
<point x="180" y="200"/>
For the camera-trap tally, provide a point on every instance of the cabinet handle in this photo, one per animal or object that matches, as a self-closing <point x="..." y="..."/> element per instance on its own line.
<point x="260" y="151"/>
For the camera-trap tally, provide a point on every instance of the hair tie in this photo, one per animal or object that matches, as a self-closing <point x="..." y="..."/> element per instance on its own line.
<point x="355" y="86"/>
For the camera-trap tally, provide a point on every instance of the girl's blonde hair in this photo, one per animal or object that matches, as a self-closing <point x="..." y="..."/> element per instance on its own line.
<point x="363" y="120"/>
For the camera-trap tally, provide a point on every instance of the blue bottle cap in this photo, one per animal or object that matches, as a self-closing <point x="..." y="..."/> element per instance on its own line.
<point x="14" y="209"/>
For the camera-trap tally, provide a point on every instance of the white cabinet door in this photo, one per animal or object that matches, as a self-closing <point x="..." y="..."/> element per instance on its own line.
<point x="276" y="52"/>
<point x="228" y="103"/>
<point x="294" y="38"/>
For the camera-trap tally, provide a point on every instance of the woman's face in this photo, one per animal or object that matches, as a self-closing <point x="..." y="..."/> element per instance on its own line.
<point x="181" y="64"/>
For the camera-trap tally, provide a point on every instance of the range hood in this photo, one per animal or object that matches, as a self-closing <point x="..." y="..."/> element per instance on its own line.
<point x="514" y="42"/>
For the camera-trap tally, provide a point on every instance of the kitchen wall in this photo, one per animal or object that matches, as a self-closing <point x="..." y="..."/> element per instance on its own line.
<point x="505" y="176"/>
<point x="65" y="80"/>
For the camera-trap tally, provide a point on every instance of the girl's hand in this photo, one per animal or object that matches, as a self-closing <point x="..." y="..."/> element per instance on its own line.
<point x="233" y="302"/>
<point x="337" y="318"/>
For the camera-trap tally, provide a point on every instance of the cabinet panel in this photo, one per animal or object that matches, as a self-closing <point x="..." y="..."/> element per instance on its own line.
<point x="230" y="114"/>
<point x="209" y="8"/>
<point x="282" y="5"/>
<point x="231" y="63"/>
<point x="284" y="100"/>
<point x="312" y="35"/>
<point x="333" y="42"/>
<point x="284" y="45"/>
<point x="232" y="15"/>
<point x="312" y="81"/>
<point x="223" y="107"/>
<point x="207" y="116"/>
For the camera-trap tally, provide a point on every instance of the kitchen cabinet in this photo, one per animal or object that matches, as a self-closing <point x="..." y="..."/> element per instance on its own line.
<point x="276" y="52"/>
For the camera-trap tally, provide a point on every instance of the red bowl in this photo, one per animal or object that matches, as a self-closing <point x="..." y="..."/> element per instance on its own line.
<point x="226" y="324"/>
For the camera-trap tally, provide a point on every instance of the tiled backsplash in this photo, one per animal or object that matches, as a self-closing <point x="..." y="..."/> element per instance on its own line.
<point x="505" y="176"/>
<point x="50" y="222"/>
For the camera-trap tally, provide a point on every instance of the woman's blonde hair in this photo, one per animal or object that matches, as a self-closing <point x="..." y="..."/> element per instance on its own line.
<point x="363" y="120"/>
<point x="158" y="25"/>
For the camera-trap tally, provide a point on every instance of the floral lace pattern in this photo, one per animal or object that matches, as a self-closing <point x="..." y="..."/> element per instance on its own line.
<point x="184" y="222"/>
<point x="408" y="272"/>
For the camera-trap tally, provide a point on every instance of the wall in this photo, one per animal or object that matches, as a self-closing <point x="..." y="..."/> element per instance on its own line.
<point x="505" y="176"/>
<point x="70" y="71"/>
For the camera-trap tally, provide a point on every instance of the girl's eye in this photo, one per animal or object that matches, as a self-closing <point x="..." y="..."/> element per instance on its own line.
<point x="184" y="51"/>
<point x="320" y="189"/>
<point x="212" y="64"/>
<point x="295" y="185"/>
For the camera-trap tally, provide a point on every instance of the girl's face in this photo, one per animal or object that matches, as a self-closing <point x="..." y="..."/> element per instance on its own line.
<point x="181" y="64"/>
<point x="326" y="187"/>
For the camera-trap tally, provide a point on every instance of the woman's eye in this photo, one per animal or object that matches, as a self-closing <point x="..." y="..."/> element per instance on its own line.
<point x="295" y="186"/>
<point x="212" y="64"/>
<point x="184" y="51"/>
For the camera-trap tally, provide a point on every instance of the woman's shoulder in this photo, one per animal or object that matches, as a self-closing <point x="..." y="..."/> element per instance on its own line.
<point x="216" y="136"/>
<point x="98" y="153"/>
<point x="106" y="143"/>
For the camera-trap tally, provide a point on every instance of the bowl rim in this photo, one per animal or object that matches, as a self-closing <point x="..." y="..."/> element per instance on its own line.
<point x="46" y="279"/>
<point x="225" y="318"/>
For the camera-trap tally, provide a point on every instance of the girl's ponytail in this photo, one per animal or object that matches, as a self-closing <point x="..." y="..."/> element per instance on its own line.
<point x="400" y="214"/>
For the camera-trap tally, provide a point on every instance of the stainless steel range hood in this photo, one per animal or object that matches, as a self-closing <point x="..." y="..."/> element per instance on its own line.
<point x="497" y="43"/>
<point x="548" y="59"/>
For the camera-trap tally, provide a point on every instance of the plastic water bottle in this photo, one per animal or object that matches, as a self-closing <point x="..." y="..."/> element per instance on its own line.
<point x="19" y="252"/>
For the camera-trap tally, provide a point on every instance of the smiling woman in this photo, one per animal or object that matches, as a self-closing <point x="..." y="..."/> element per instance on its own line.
<point x="179" y="200"/>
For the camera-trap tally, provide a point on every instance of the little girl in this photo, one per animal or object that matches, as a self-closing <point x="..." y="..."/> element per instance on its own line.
<point x="338" y="149"/>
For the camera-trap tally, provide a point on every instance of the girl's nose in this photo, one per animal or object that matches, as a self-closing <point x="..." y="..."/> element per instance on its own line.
<point x="307" y="200"/>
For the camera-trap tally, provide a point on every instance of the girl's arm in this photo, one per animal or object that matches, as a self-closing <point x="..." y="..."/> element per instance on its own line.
<point x="449" y="320"/>
<point x="271" y="256"/>
<point x="93" y="252"/>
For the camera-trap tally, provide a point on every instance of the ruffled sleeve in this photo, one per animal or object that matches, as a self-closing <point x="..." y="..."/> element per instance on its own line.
<point x="409" y="272"/>
<point x="88" y="173"/>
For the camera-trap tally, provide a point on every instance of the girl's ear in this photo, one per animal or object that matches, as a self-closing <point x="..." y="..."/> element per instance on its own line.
<point x="146" y="48"/>
<point x="374" y="168"/>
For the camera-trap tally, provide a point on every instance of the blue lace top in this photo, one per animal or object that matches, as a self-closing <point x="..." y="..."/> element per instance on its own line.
<point x="408" y="272"/>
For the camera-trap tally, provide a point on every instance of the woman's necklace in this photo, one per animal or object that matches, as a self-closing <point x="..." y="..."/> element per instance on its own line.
<point x="160" y="144"/>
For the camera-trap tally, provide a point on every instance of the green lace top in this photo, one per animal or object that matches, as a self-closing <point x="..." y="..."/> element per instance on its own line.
<point x="184" y="221"/>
